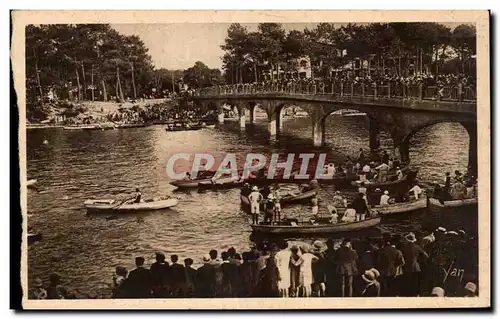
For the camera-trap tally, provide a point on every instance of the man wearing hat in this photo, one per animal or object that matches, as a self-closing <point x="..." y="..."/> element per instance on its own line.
<point x="470" y="289"/>
<point x="412" y="254"/>
<point x="437" y="292"/>
<point x="372" y="286"/>
<point x="270" y="208"/>
<point x="346" y="260"/>
<point x="399" y="173"/>
<point x="38" y="292"/>
<point x="205" y="279"/>
<point x="255" y="198"/>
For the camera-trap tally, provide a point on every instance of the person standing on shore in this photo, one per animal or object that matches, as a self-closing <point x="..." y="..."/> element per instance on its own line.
<point x="139" y="280"/>
<point x="412" y="255"/>
<point x="389" y="259"/>
<point x="283" y="265"/>
<point x="346" y="260"/>
<point x="160" y="276"/>
<point x="205" y="279"/>
<point x="190" y="278"/>
<point x="177" y="277"/>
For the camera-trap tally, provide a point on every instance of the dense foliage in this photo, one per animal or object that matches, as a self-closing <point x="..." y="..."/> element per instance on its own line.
<point x="391" y="48"/>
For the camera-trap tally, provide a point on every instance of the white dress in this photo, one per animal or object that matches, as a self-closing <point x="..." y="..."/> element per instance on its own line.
<point x="306" y="275"/>
<point x="283" y="265"/>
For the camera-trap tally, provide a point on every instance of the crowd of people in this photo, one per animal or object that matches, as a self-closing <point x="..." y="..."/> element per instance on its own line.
<point x="392" y="265"/>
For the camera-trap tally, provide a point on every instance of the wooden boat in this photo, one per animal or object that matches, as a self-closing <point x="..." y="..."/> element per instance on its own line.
<point x="131" y="125"/>
<point x="390" y="185"/>
<point x="286" y="199"/>
<point x="111" y="205"/>
<point x="469" y="204"/>
<point x="399" y="208"/>
<point x="308" y="228"/>
<point x="80" y="127"/>
<point x="183" y="126"/>
<point x="34" y="238"/>
<point x="31" y="182"/>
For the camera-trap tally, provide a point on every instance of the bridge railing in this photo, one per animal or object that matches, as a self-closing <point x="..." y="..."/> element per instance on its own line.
<point x="389" y="90"/>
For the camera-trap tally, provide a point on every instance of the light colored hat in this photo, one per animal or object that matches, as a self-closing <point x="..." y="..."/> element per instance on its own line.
<point x="337" y="192"/>
<point x="319" y="246"/>
<point x="397" y="167"/>
<point x="255" y="188"/>
<point x="270" y="196"/>
<point x="386" y="192"/>
<point x="376" y="272"/>
<point x="330" y="164"/>
<point x="378" y="189"/>
<point x="206" y="258"/>
<point x="411" y="237"/>
<point x="470" y="286"/>
<point x="39" y="284"/>
<point x="368" y="276"/>
<point x="437" y="291"/>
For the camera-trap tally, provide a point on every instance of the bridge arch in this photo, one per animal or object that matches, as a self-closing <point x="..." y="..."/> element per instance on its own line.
<point x="468" y="127"/>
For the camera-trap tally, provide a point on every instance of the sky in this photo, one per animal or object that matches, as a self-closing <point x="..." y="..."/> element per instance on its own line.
<point x="180" y="45"/>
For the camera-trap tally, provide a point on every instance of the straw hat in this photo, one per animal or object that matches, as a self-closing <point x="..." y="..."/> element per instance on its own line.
<point x="368" y="276"/>
<point x="39" y="284"/>
<point x="376" y="272"/>
<point x="437" y="291"/>
<point x="255" y="188"/>
<point x="386" y="192"/>
<point x="378" y="189"/>
<point x="319" y="246"/>
<point x="410" y="237"/>
<point x="270" y="196"/>
<point x="470" y="286"/>
<point x="206" y="258"/>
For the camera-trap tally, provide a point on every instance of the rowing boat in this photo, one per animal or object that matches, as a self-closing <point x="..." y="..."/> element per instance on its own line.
<point x="307" y="228"/>
<point x="286" y="199"/>
<point x="390" y="185"/>
<point x="469" y="204"/>
<point x="30" y="182"/>
<point x="399" y="208"/>
<point x="111" y="205"/>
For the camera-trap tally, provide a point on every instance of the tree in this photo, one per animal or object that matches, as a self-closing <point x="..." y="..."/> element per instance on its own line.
<point x="464" y="41"/>
<point x="271" y="41"/>
<point x="200" y="75"/>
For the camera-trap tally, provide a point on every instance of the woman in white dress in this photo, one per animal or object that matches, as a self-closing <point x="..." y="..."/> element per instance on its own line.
<point x="305" y="275"/>
<point x="283" y="265"/>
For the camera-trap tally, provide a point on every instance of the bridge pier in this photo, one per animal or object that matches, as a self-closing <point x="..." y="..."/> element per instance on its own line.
<point x="252" y="114"/>
<point x="319" y="132"/>
<point x="472" y="163"/>
<point x="374" y="135"/>
<point x="242" y="120"/>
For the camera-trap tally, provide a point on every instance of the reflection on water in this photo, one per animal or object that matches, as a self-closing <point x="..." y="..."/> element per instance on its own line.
<point x="75" y="166"/>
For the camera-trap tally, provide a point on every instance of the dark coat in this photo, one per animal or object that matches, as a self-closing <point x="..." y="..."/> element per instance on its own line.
<point x="177" y="274"/>
<point x="205" y="281"/>
<point x="359" y="205"/>
<point x="389" y="259"/>
<point x="268" y="284"/>
<point x="346" y="261"/>
<point x="231" y="279"/>
<point x="190" y="281"/>
<point x="412" y="254"/>
<point x="139" y="283"/>
<point x="250" y="278"/>
<point x="159" y="273"/>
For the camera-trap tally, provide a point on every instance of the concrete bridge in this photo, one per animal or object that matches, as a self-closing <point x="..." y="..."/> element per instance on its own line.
<point x="400" y="110"/>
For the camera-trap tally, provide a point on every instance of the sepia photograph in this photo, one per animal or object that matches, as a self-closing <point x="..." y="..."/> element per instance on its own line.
<point x="249" y="160"/>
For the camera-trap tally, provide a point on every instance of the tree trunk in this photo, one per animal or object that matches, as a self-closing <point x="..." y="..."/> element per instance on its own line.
<point x="84" y="83"/>
<point x="92" y="82"/>
<point x="104" y="92"/>
<point x="77" y="82"/>
<point x="119" y="91"/>
<point x="255" y="72"/>
<point x="38" y="81"/>
<point x="133" y="80"/>
<point x="241" y="74"/>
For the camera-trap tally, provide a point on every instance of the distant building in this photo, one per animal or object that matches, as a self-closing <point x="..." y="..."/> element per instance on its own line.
<point x="301" y="68"/>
